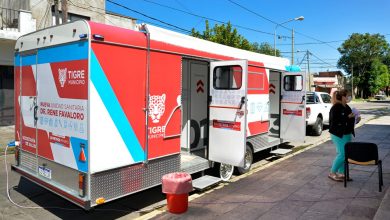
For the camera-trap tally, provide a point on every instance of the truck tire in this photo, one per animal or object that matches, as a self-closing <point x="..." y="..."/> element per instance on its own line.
<point x="317" y="127"/>
<point x="225" y="171"/>
<point x="247" y="161"/>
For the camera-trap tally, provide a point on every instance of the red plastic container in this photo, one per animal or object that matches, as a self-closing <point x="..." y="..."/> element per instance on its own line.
<point x="177" y="186"/>
<point x="177" y="203"/>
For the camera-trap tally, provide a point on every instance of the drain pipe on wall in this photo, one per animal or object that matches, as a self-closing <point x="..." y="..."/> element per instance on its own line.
<point x="146" y="110"/>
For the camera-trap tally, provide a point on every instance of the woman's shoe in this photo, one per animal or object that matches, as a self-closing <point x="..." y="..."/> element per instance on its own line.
<point x="334" y="177"/>
<point x="341" y="176"/>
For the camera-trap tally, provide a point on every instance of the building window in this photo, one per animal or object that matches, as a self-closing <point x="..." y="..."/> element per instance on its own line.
<point x="6" y="77"/>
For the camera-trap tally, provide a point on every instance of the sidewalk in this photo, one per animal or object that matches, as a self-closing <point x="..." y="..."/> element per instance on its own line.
<point x="6" y="136"/>
<point x="298" y="187"/>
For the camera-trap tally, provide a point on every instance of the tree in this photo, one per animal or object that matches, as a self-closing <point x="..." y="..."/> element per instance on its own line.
<point x="265" y="48"/>
<point x="386" y="61"/>
<point x="227" y="35"/>
<point x="359" y="52"/>
<point x="378" y="76"/>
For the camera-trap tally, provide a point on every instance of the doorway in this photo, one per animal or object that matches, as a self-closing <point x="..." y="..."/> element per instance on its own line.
<point x="194" y="96"/>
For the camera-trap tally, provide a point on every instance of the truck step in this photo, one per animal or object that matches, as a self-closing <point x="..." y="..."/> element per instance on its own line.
<point x="193" y="164"/>
<point x="281" y="152"/>
<point x="205" y="181"/>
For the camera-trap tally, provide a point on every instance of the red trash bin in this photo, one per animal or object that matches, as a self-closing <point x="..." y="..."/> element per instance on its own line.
<point x="177" y="186"/>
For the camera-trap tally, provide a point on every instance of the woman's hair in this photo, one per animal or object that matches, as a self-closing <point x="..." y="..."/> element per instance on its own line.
<point x="338" y="95"/>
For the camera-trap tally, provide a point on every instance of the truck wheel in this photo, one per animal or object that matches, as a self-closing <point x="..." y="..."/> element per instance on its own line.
<point x="317" y="127"/>
<point x="225" y="171"/>
<point x="248" y="161"/>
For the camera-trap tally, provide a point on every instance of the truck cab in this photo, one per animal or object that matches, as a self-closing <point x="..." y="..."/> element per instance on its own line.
<point x="318" y="105"/>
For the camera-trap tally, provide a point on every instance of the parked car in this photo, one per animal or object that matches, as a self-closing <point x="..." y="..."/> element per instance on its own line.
<point x="318" y="105"/>
<point x="380" y="97"/>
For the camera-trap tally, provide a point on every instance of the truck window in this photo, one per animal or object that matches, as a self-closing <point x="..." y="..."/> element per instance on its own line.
<point x="326" y="98"/>
<point x="227" y="77"/>
<point x="317" y="99"/>
<point x="293" y="83"/>
<point x="309" y="98"/>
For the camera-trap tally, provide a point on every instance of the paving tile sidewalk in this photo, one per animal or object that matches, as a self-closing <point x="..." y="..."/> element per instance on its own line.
<point x="298" y="187"/>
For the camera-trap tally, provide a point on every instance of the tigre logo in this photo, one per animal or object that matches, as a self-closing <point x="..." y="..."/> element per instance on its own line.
<point x="156" y="107"/>
<point x="62" y="76"/>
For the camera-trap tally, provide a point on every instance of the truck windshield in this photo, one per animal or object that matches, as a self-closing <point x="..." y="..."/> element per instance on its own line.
<point x="326" y="98"/>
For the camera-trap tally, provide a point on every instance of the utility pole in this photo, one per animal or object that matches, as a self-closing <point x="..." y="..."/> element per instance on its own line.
<point x="308" y="68"/>
<point x="292" y="47"/>
<point x="56" y="14"/>
<point x="64" y="9"/>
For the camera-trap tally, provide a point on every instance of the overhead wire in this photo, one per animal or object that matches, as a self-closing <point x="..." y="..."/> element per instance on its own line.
<point x="211" y="19"/>
<point x="309" y="43"/>
<point x="274" y="22"/>
<point x="179" y="28"/>
<point x="150" y="17"/>
<point x="113" y="23"/>
<point x="44" y="17"/>
<point x="39" y="2"/>
<point x="255" y="13"/>
<point x="90" y="6"/>
<point x="320" y="59"/>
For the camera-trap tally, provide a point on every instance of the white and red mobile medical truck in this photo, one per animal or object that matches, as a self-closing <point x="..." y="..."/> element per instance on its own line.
<point x="103" y="112"/>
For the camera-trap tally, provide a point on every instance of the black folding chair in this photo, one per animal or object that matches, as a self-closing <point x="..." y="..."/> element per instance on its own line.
<point x="361" y="153"/>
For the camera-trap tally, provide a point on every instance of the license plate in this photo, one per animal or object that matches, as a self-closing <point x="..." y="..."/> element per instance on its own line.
<point x="45" y="172"/>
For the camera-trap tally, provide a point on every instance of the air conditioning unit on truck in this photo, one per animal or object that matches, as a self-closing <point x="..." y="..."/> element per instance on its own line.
<point x="103" y="112"/>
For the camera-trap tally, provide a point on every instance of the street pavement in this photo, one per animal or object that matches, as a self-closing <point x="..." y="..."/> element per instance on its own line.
<point x="297" y="182"/>
<point x="297" y="187"/>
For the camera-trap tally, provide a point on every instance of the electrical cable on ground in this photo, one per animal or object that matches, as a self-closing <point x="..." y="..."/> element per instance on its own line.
<point x="8" y="190"/>
<point x="56" y="207"/>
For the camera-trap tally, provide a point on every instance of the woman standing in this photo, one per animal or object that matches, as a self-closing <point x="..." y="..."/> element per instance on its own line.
<point x="341" y="128"/>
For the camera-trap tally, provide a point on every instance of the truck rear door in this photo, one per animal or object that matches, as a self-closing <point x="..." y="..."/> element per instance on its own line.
<point x="228" y="112"/>
<point x="293" y="115"/>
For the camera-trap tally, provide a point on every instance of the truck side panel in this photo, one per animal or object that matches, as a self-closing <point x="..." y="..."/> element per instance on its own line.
<point x="118" y="100"/>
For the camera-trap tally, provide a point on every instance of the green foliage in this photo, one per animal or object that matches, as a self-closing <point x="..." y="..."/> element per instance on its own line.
<point x="365" y="54"/>
<point x="265" y="48"/>
<point x="227" y="35"/>
<point x="378" y="76"/>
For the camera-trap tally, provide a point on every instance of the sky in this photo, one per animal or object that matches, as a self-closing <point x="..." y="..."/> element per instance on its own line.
<point x="324" y="21"/>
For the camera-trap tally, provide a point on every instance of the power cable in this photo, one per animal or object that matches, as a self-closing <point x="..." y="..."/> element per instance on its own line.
<point x="320" y="59"/>
<point x="145" y="15"/>
<point x="39" y="2"/>
<point x="208" y="18"/>
<point x="261" y="16"/>
<point x="44" y="17"/>
<point x="255" y="13"/>
<point x="335" y="41"/>
<point x="104" y="10"/>
<point x="90" y="6"/>
<point x="15" y="143"/>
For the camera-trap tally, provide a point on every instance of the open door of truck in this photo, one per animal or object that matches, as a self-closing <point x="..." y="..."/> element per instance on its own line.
<point x="228" y="111"/>
<point x="293" y="107"/>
